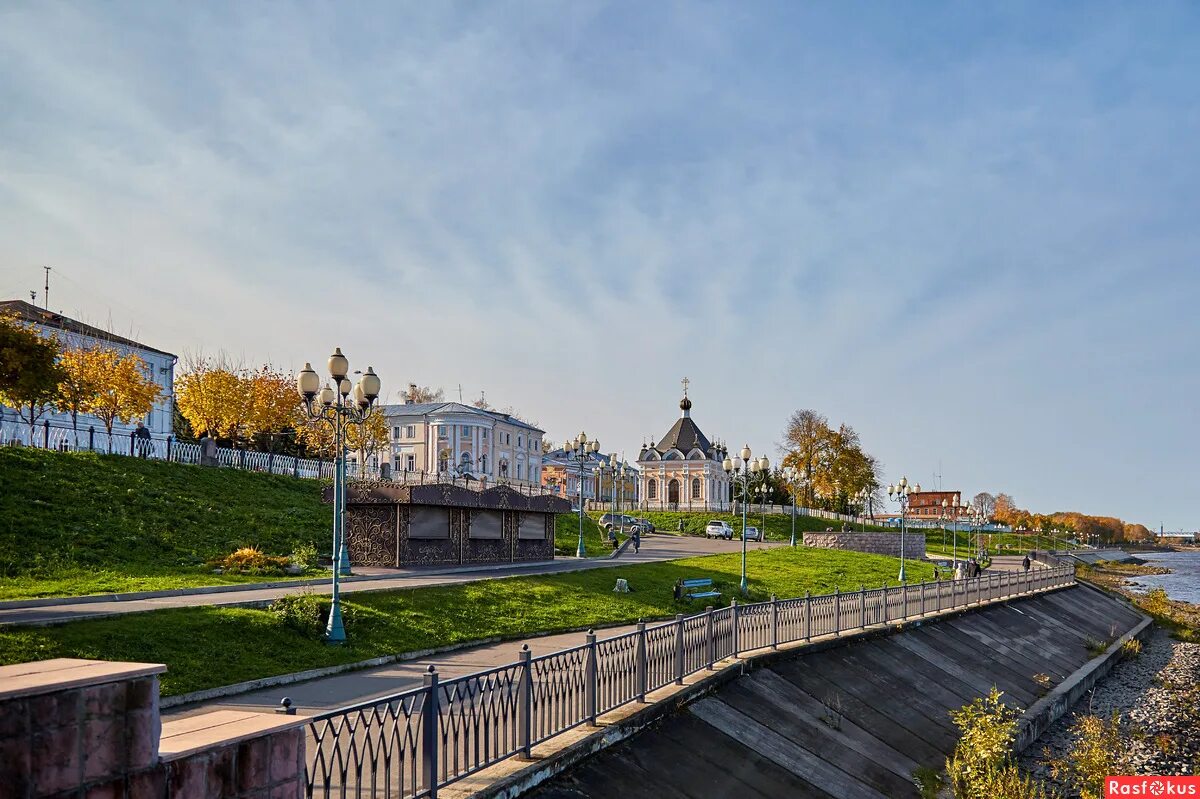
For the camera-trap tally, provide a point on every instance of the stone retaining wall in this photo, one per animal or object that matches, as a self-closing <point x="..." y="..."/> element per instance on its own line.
<point x="874" y="543"/>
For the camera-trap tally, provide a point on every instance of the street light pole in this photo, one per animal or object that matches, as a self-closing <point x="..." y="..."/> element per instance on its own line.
<point x="792" y="474"/>
<point x="340" y="408"/>
<point x="580" y="449"/>
<point x="740" y="470"/>
<point x="900" y="492"/>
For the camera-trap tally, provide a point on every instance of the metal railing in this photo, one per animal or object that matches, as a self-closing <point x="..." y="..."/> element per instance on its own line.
<point x="60" y="438"/>
<point x="412" y="743"/>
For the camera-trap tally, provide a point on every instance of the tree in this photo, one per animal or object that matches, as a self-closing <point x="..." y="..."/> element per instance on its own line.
<point x="985" y="503"/>
<point x="123" y="391"/>
<point x="272" y="402"/>
<point x="29" y="370"/>
<point x="366" y="439"/>
<point x="212" y="398"/>
<point x="418" y="394"/>
<point x="82" y="378"/>
<point x="1004" y="509"/>
<point x="805" y="438"/>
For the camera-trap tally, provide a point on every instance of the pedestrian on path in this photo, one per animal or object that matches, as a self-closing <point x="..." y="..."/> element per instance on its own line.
<point x="142" y="434"/>
<point x="636" y="537"/>
<point x="1026" y="563"/>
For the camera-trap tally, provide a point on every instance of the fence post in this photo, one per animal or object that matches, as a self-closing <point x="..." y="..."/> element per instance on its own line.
<point x="862" y="606"/>
<point x="591" y="678"/>
<point x="807" y="615"/>
<point x="774" y="622"/>
<point x="131" y="442"/>
<point x="429" y="731"/>
<point x="242" y="459"/>
<point x="525" y="702"/>
<point x="711" y="642"/>
<point x="837" y="611"/>
<point x="904" y="600"/>
<point x="639" y="666"/>
<point x="737" y="638"/>
<point x="46" y="434"/>
<point x="169" y="441"/>
<point x="679" y="649"/>
<point x="91" y="438"/>
<point x="270" y="463"/>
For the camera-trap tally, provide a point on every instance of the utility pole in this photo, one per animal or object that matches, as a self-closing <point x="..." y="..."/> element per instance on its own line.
<point x="46" y="296"/>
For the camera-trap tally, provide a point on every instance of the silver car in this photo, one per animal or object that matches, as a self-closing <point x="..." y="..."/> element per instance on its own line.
<point x="718" y="529"/>
<point x="752" y="534"/>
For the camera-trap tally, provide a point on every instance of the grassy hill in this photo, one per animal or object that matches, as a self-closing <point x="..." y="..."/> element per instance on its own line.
<point x="111" y="522"/>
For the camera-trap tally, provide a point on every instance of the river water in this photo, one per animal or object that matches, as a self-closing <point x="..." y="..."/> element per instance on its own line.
<point x="1183" y="583"/>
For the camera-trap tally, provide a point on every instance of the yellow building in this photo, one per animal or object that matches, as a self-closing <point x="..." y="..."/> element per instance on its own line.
<point x="683" y="470"/>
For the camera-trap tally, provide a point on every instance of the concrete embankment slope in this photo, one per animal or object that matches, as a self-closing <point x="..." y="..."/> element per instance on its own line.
<point x="856" y="720"/>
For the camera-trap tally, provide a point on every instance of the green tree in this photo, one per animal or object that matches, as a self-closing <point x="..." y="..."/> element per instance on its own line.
<point x="29" y="370"/>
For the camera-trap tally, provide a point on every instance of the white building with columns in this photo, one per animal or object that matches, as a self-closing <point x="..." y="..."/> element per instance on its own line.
<point x="683" y="470"/>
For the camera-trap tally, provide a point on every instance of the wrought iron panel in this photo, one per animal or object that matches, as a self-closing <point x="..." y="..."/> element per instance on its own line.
<point x="695" y="643"/>
<point x="616" y="671"/>
<point x="722" y="633"/>
<point x="791" y="620"/>
<point x="559" y="692"/>
<point x="477" y="721"/>
<point x="661" y="644"/>
<point x="369" y="750"/>
<point x="754" y="626"/>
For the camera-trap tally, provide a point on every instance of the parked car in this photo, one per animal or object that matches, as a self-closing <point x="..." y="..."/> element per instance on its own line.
<point x="752" y="534"/>
<point x="718" y="529"/>
<point x="610" y="520"/>
<point x="643" y="526"/>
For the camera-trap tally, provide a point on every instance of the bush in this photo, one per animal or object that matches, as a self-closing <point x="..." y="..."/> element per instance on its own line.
<point x="249" y="560"/>
<point x="304" y="556"/>
<point x="307" y="613"/>
<point x="1099" y="750"/>
<point x="988" y="729"/>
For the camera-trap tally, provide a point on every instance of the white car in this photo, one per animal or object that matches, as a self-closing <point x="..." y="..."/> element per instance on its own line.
<point x="718" y="529"/>
<point x="752" y="534"/>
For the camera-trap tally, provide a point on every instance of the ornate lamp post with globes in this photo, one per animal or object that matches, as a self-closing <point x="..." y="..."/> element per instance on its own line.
<point x="340" y="407"/>
<point x="579" y="449"/>
<point x="742" y="470"/>
<point x="899" y="492"/>
<point x="792" y="476"/>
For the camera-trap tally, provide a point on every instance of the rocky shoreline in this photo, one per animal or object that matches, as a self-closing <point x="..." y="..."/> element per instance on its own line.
<point x="1157" y="697"/>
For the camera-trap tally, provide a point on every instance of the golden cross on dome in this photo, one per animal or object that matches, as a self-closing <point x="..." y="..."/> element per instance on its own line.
<point x="686" y="383"/>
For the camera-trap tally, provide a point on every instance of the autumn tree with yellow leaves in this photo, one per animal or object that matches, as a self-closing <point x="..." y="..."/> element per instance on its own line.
<point x="82" y="377"/>
<point x="222" y="401"/>
<point x="122" y="389"/>
<point x="365" y="439"/>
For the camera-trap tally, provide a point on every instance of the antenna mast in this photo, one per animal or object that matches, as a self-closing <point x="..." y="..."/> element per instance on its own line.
<point x="46" y="296"/>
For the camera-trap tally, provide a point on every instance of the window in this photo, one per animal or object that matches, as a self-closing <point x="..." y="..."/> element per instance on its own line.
<point x="411" y="431"/>
<point x="410" y="463"/>
<point x="395" y="433"/>
<point x="464" y="460"/>
<point x="483" y="463"/>
<point x="442" y="432"/>
<point x="695" y="488"/>
<point x="466" y="430"/>
<point x="652" y="489"/>
<point x="520" y="442"/>
<point x="483" y="433"/>
<point x="520" y="470"/>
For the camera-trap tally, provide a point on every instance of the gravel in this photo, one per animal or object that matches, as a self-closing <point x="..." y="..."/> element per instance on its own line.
<point x="1156" y="694"/>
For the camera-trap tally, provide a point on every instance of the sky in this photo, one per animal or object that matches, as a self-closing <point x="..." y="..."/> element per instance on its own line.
<point x="969" y="230"/>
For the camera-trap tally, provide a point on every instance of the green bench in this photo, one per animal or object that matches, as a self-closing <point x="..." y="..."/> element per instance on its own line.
<point x="686" y="589"/>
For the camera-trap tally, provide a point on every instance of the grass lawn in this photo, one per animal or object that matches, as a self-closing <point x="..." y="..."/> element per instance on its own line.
<point x="207" y="647"/>
<point x="566" y="536"/>
<point x="778" y="527"/>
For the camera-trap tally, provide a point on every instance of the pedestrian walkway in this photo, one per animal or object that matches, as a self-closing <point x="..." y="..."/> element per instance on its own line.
<point x="654" y="548"/>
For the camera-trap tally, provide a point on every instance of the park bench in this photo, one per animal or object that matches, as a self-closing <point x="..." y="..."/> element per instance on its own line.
<point x="685" y="589"/>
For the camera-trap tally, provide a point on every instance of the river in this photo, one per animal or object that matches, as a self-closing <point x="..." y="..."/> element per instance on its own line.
<point x="1183" y="583"/>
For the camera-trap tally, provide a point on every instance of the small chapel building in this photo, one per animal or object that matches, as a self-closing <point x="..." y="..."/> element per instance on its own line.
<point x="683" y="470"/>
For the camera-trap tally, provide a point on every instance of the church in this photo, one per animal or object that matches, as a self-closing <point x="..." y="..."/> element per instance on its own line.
<point x="683" y="470"/>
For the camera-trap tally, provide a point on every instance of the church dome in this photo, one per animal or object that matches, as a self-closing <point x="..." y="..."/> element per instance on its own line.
<point x="685" y="404"/>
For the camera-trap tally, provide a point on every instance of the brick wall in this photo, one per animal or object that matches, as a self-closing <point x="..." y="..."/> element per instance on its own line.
<point x="875" y="543"/>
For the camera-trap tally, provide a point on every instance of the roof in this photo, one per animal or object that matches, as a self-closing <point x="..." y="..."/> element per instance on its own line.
<point x="426" y="408"/>
<point x="684" y="436"/>
<point x="28" y="312"/>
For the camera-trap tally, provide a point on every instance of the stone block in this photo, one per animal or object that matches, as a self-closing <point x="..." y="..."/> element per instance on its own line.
<point x="284" y="746"/>
<point x="14" y="719"/>
<point x="104" y="701"/>
<point x="142" y="694"/>
<point x="113" y="789"/>
<point x="291" y="789"/>
<point x="103" y="747"/>
<point x="148" y="784"/>
<point x="187" y="777"/>
<point x="58" y="709"/>
<point x="56" y="759"/>
<point x="222" y="774"/>
<point x="143" y="729"/>
<point x="253" y="765"/>
<point x="15" y="764"/>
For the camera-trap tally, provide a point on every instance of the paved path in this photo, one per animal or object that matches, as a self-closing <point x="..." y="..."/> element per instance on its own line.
<point x="654" y="548"/>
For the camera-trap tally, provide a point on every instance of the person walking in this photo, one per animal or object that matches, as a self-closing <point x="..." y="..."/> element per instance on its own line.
<point x="142" y="434"/>
<point x="636" y="537"/>
<point x="1025" y="564"/>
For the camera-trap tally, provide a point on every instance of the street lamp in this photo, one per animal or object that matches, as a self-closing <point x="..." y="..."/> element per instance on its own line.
<point x="580" y="449"/>
<point x="616" y="472"/>
<point x="341" y="408"/>
<point x="741" y="470"/>
<point x="792" y="475"/>
<point x="899" y="493"/>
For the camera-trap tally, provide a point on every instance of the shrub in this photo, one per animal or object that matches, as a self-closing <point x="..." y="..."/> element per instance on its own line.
<point x="304" y="555"/>
<point x="249" y="560"/>
<point x="988" y="729"/>
<point x="1098" y="750"/>
<point x="1132" y="647"/>
<point x="307" y="613"/>
<point x="1156" y="602"/>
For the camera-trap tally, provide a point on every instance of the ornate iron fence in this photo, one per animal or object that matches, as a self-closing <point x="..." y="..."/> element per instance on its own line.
<point x="413" y="743"/>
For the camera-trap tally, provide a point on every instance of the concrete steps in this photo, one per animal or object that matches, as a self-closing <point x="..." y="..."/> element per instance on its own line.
<point x="854" y="720"/>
